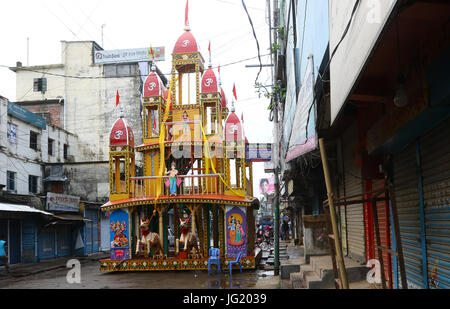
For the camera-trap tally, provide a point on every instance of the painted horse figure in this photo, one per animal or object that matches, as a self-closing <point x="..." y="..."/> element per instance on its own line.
<point x="188" y="240"/>
<point x="149" y="240"/>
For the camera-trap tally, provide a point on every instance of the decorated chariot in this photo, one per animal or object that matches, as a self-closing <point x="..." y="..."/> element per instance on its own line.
<point x="197" y="181"/>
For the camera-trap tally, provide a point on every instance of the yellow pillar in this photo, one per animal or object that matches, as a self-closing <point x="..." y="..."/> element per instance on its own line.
<point x="117" y="176"/>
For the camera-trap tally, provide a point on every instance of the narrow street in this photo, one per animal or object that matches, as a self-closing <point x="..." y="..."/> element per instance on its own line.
<point x="92" y="278"/>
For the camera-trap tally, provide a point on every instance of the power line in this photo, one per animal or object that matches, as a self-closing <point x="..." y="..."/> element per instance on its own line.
<point x="256" y="39"/>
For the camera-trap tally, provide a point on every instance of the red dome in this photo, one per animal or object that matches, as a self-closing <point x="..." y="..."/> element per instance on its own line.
<point x="224" y="99"/>
<point x="209" y="82"/>
<point x="186" y="44"/>
<point x="121" y="134"/>
<point x="233" y="128"/>
<point x="153" y="86"/>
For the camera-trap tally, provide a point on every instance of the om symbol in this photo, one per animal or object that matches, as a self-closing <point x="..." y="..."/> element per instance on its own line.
<point x="186" y="43"/>
<point x="118" y="134"/>
<point x="209" y="82"/>
<point x="151" y="86"/>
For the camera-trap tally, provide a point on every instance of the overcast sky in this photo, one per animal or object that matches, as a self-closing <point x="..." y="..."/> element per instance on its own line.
<point x="136" y="24"/>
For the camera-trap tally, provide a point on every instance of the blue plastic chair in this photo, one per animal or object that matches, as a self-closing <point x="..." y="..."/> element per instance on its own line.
<point x="214" y="258"/>
<point x="237" y="261"/>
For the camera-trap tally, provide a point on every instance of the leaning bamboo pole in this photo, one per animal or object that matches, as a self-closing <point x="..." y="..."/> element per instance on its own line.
<point x="337" y="242"/>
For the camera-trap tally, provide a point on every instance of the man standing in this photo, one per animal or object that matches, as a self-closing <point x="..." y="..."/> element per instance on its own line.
<point x="4" y="252"/>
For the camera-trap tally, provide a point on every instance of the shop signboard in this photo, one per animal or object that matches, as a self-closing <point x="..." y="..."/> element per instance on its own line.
<point x="62" y="202"/>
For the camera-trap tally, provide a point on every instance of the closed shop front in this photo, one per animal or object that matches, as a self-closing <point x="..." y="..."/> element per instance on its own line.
<point x="353" y="186"/>
<point x="64" y="239"/>
<point x="407" y="199"/>
<point x="92" y="230"/>
<point x="47" y="243"/>
<point x="29" y="241"/>
<point x="435" y="160"/>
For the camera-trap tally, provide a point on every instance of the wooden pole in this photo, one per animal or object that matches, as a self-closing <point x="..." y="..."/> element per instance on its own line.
<point x="337" y="243"/>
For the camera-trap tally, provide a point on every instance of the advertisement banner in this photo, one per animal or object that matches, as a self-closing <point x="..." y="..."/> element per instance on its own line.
<point x="267" y="186"/>
<point x="236" y="227"/>
<point x="129" y="55"/>
<point x="258" y="152"/>
<point x="62" y="202"/>
<point x="304" y="135"/>
<point x="119" y="235"/>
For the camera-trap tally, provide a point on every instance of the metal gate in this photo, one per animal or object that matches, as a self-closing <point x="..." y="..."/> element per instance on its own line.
<point x="435" y="150"/>
<point x="353" y="186"/>
<point x="407" y="198"/>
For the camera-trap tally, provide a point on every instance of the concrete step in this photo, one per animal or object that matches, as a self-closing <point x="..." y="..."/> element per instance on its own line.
<point x="287" y="269"/>
<point x="296" y="280"/>
<point x="319" y="273"/>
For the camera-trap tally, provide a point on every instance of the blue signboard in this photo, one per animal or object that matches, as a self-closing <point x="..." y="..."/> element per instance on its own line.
<point x="25" y="115"/>
<point x="258" y="152"/>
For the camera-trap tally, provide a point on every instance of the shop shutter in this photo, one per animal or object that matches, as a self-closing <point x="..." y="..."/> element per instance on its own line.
<point x="92" y="238"/>
<point x="385" y="231"/>
<point x="407" y="198"/>
<point x="14" y="245"/>
<point x="64" y="234"/>
<point x="47" y="243"/>
<point x="435" y="150"/>
<point x="28" y="241"/>
<point x="353" y="186"/>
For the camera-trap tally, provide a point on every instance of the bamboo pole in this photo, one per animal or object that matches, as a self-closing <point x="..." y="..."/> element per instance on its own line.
<point x="337" y="243"/>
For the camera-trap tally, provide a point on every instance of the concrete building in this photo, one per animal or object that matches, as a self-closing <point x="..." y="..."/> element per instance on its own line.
<point x="88" y="93"/>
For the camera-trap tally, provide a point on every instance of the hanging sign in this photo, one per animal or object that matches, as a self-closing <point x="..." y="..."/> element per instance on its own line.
<point x="129" y="55"/>
<point x="304" y="135"/>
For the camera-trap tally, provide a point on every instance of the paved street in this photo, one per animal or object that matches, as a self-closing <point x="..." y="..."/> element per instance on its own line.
<point x="92" y="278"/>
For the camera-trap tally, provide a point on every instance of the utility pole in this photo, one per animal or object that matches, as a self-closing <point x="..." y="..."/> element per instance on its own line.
<point x="276" y="202"/>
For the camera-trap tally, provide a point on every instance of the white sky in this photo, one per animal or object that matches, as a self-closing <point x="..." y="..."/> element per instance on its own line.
<point x="137" y="24"/>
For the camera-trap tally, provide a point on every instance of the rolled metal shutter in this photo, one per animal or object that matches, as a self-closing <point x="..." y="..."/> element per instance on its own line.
<point x="47" y="243"/>
<point x="407" y="198"/>
<point x="64" y="242"/>
<point x="435" y="149"/>
<point x="353" y="186"/>
<point x="28" y="241"/>
<point x="385" y="231"/>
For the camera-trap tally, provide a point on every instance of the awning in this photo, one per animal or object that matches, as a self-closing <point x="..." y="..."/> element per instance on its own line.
<point x="15" y="208"/>
<point x="71" y="217"/>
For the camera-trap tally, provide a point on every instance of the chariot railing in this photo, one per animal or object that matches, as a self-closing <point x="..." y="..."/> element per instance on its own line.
<point x="191" y="185"/>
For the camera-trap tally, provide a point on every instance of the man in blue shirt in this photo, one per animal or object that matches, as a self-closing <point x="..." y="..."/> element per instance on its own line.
<point x="4" y="252"/>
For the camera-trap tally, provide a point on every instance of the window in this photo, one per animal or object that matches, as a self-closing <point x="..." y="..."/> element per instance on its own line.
<point x="40" y="85"/>
<point x="11" y="181"/>
<point x="119" y="70"/>
<point x="33" y="184"/>
<point x="12" y="129"/>
<point x="33" y="140"/>
<point x="66" y="149"/>
<point x="50" y="147"/>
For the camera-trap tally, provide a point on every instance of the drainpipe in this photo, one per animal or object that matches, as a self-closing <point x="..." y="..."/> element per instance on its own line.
<point x="422" y="217"/>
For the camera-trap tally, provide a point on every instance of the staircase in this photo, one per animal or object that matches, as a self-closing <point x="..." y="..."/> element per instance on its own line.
<point x="319" y="273"/>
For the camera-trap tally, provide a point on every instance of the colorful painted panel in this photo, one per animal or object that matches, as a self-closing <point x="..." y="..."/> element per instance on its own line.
<point x="236" y="227"/>
<point x="119" y="235"/>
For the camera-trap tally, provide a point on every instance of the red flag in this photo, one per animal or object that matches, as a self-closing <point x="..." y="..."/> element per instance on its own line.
<point x="219" y="69"/>
<point x="234" y="91"/>
<point x="117" y="98"/>
<point x="186" y="17"/>
<point x="209" y="49"/>
<point x="151" y="51"/>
